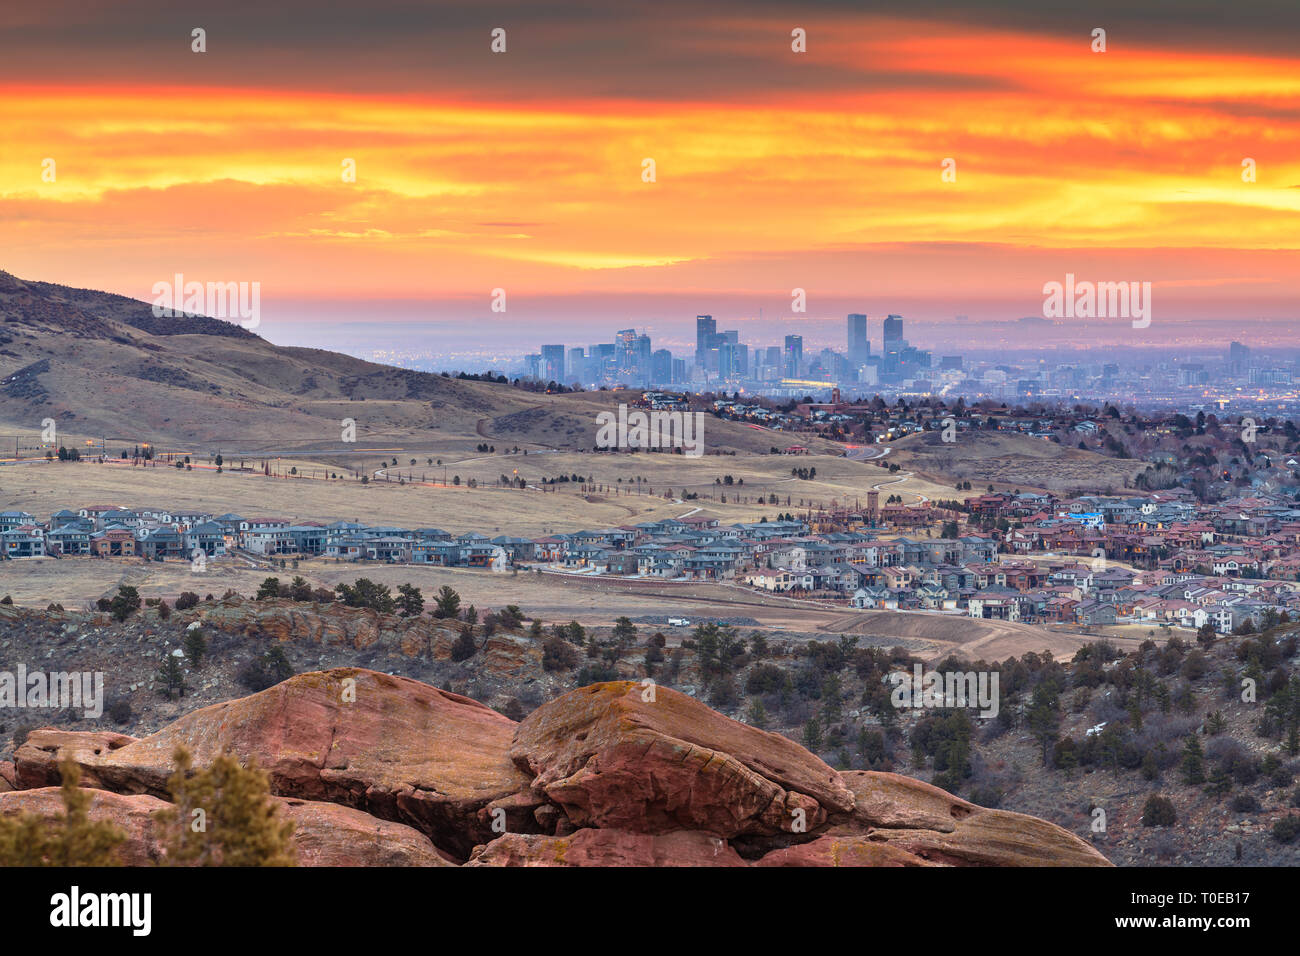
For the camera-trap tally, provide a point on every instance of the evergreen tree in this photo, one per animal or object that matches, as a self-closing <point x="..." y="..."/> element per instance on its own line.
<point x="1193" y="761"/>
<point x="224" y="816"/>
<point x="68" y="839"/>
<point x="446" y="603"/>
<point x="171" y="675"/>
<point x="410" y="602"/>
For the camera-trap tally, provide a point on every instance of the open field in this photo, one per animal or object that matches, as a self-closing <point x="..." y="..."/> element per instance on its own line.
<point x="594" y="602"/>
<point x="43" y="487"/>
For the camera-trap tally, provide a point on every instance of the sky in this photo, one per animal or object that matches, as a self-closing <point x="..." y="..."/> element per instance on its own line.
<point x="774" y="170"/>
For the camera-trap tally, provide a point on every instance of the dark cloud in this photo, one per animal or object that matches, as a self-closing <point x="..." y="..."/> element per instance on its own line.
<point x="665" y="50"/>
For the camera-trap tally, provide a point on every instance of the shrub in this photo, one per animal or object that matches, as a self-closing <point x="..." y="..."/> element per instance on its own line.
<point x="119" y="710"/>
<point x="266" y="671"/>
<point x="596" y="673"/>
<point x="464" y="648"/>
<point x="1158" y="811"/>
<point x="186" y="600"/>
<point x="1286" y="829"/>
<point x="559" y="655"/>
<point x="1244" y="803"/>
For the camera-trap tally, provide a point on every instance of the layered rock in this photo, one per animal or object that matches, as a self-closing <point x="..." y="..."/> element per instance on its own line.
<point x="324" y="834"/>
<point x="394" y="747"/>
<point x="615" y="774"/>
<point x="592" y="847"/>
<point x="934" y="825"/>
<point x="615" y="755"/>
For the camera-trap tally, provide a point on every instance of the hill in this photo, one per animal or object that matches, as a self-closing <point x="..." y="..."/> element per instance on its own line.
<point x="1012" y="460"/>
<point x="104" y="365"/>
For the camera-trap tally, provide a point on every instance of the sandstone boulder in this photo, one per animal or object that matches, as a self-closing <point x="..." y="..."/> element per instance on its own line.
<point x="611" y="757"/>
<point x="935" y="825"/>
<point x="401" y="751"/>
<point x="842" y="850"/>
<point x="591" y="847"/>
<point x="325" y="834"/>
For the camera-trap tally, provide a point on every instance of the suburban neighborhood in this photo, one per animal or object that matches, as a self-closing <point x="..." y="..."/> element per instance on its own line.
<point x="1158" y="559"/>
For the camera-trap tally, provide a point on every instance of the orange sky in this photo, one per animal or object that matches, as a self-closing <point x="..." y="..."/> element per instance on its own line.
<point x="1118" y="165"/>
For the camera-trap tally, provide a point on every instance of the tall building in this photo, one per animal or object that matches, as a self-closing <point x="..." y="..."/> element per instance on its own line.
<point x="859" y="347"/>
<point x="733" y="359"/>
<point x="643" y="353"/>
<point x="577" y="365"/>
<point x="625" y="349"/>
<point x="793" y="355"/>
<point x="705" y="332"/>
<point x="553" y="363"/>
<point x="893" y="339"/>
<point x="661" y="367"/>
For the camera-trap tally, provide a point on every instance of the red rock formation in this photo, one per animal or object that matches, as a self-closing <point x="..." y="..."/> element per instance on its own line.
<point x="607" y="848"/>
<point x="610" y="757"/>
<point x="604" y="775"/>
<point x="401" y="751"/>
<point x="325" y="834"/>
<point x="844" y="850"/>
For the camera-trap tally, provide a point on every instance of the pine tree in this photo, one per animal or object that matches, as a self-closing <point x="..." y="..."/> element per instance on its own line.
<point x="446" y="603"/>
<point x="196" y="647"/>
<point x="171" y="675"/>
<point x="1193" y="761"/>
<point x="410" y="602"/>
<point x="224" y="816"/>
<point x="69" y="839"/>
<point x="812" y="734"/>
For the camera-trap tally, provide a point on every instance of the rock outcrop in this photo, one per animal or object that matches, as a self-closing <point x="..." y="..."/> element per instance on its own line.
<point x="591" y="847"/>
<point x="396" y="748"/>
<point x="651" y="759"/>
<point x="325" y="834"/>
<point x="614" y="774"/>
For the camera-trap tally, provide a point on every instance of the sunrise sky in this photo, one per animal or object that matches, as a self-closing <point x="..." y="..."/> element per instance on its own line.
<point x="775" y="169"/>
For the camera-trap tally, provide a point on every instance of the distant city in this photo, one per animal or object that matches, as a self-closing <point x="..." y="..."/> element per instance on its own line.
<point x="1234" y="378"/>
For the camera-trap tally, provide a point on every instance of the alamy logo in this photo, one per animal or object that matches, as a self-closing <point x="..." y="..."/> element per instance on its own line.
<point x="637" y="429"/>
<point x="79" y="690"/>
<point x="73" y="909"/>
<point x="1098" y="300"/>
<point x="240" y="301"/>
<point x="946" y="689"/>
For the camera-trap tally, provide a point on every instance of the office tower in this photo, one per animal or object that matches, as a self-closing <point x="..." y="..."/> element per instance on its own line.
<point x="774" y="356"/>
<point x="893" y="339"/>
<point x="733" y="359"/>
<point x="679" y="370"/>
<point x="793" y="355"/>
<point x="625" y="349"/>
<point x="643" y="353"/>
<point x="661" y="367"/>
<point x="577" y="365"/>
<point x="553" y="363"/>
<point x="533" y="366"/>
<point x="859" y="347"/>
<point x="705" y="330"/>
<point x="731" y="337"/>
